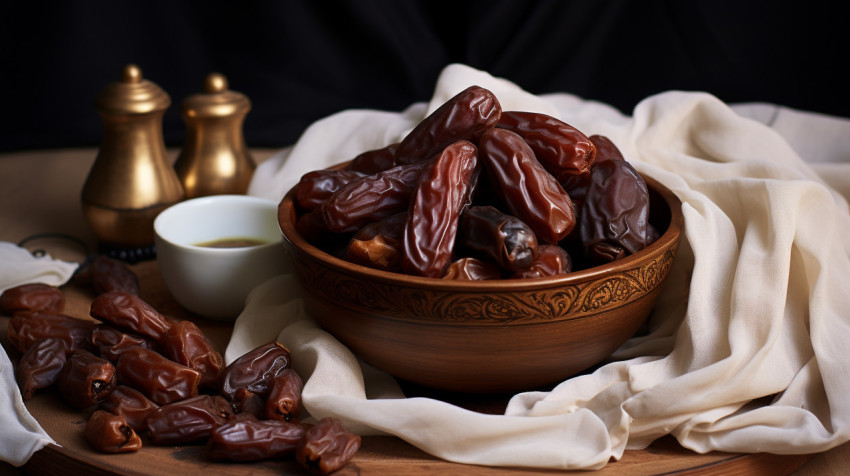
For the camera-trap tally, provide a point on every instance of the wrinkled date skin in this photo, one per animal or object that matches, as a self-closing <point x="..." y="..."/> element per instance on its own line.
<point x="187" y="421"/>
<point x="86" y="379"/>
<point x="111" y="343"/>
<point x="562" y="149"/>
<point x="28" y="327"/>
<point x="315" y="187"/>
<point x="378" y="245"/>
<point x="472" y="269"/>
<point x="371" y="198"/>
<point x="129" y="403"/>
<point x="40" y="365"/>
<point x="439" y="198"/>
<point x="284" y="400"/>
<point x="110" y="433"/>
<point x="463" y="117"/>
<point x="615" y="215"/>
<point x="32" y="297"/>
<point x="255" y="369"/>
<point x="128" y="311"/>
<point x="552" y="260"/>
<point x="530" y="192"/>
<point x="374" y="161"/>
<point x="106" y="274"/>
<point x="326" y="447"/>
<point x="254" y="440"/>
<point x="605" y="148"/>
<point x="159" y="378"/>
<point x="186" y="344"/>
<point x="577" y="185"/>
<point x="503" y="239"/>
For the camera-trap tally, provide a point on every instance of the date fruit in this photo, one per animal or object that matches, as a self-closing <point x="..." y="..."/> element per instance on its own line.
<point x="495" y="236"/>
<point x="110" y="433"/>
<point x="326" y="447"/>
<point x="253" y="440"/>
<point x="472" y="269"/>
<point x="32" y="297"/>
<point x="28" y="327"/>
<point x="159" y="378"/>
<point x="40" y="365"/>
<point x="187" y="421"/>
<point x="255" y="369"/>
<point x="552" y="260"/>
<point x="86" y="379"/>
<point x="284" y="400"/>
<point x="186" y="344"/>
<point x="130" y="312"/>
<point x="315" y="187"/>
<point x="129" y="403"/>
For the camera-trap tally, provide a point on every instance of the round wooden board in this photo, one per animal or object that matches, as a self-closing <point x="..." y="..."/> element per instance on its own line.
<point x="378" y="455"/>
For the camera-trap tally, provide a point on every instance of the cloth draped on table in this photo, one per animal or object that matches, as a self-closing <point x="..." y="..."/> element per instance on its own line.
<point x="745" y="349"/>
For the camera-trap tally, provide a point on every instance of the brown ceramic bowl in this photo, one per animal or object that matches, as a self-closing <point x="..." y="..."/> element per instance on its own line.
<point x="485" y="336"/>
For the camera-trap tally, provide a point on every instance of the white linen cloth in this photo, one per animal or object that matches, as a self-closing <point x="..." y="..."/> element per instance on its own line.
<point x="746" y="349"/>
<point x="22" y="435"/>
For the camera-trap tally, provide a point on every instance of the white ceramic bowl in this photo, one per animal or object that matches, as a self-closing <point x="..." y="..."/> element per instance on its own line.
<point x="214" y="282"/>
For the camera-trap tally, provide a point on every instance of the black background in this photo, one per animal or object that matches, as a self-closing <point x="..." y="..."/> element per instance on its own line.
<point x="299" y="61"/>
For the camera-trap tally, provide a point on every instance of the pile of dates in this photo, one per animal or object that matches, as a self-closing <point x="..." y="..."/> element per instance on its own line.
<point x="137" y="373"/>
<point x="474" y="192"/>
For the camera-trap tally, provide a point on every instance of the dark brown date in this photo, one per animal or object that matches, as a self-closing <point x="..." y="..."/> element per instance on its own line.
<point x="284" y="400"/>
<point x="187" y="421"/>
<point x="311" y="226"/>
<point x="110" y="342"/>
<point x="327" y="446"/>
<point x="378" y="245"/>
<point x="159" y="378"/>
<point x="185" y="343"/>
<point x="86" y="379"/>
<point x="255" y="369"/>
<point x="130" y="312"/>
<point x="246" y="401"/>
<point x="40" y="365"/>
<point x="472" y="269"/>
<point x="374" y="161"/>
<point x="106" y="274"/>
<point x="530" y="192"/>
<point x="129" y="403"/>
<point x="439" y="198"/>
<point x="371" y="198"/>
<point x="466" y="116"/>
<point x="315" y="187"/>
<point x="615" y="215"/>
<point x="562" y="149"/>
<point x="605" y="148"/>
<point x="495" y="236"/>
<point x="110" y="433"/>
<point x="32" y="297"/>
<point x="253" y="440"/>
<point x="552" y="260"/>
<point x="576" y="186"/>
<point x="28" y="327"/>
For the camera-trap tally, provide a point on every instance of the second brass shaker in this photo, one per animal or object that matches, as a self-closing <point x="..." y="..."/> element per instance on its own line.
<point x="215" y="159"/>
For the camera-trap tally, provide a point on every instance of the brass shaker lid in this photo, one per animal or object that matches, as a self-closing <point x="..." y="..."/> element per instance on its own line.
<point x="132" y="94"/>
<point x="216" y="100"/>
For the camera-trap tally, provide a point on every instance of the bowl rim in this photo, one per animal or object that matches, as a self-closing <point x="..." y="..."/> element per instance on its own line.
<point x="286" y="208"/>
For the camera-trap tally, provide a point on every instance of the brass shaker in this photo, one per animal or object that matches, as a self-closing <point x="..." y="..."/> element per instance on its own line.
<point x="215" y="159"/>
<point x="132" y="178"/>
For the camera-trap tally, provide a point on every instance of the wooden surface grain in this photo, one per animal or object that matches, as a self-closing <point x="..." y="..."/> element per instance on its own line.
<point x="40" y="193"/>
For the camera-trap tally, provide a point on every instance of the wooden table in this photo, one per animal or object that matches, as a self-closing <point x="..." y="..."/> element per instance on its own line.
<point x="40" y="193"/>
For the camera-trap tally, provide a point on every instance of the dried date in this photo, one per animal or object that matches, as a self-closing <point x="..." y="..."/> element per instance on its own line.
<point x="128" y="311"/>
<point x="253" y="440"/>
<point x="255" y="369"/>
<point x="378" y="245"/>
<point x="106" y="274"/>
<point x="86" y="379"/>
<point x="159" y="378"/>
<point x="315" y="187"/>
<point x="326" y="447"/>
<point x="187" y="421"/>
<point x="615" y="214"/>
<point x="530" y="192"/>
<point x="110" y="433"/>
<point x="40" y="365"/>
<point x="246" y="401"/>
<point x="440" y="195"/>
<point x="284" y="400"/>
<point x="111" y="343"/>
<point x="370" y="198"/>
<point x="28" y="327"/>
<point x="185" y="343"/>
<point x="466" y="116"/>
<point x="495" y="236"/>
<point x="32" y="297"/>
<point x="562" y="149"/>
